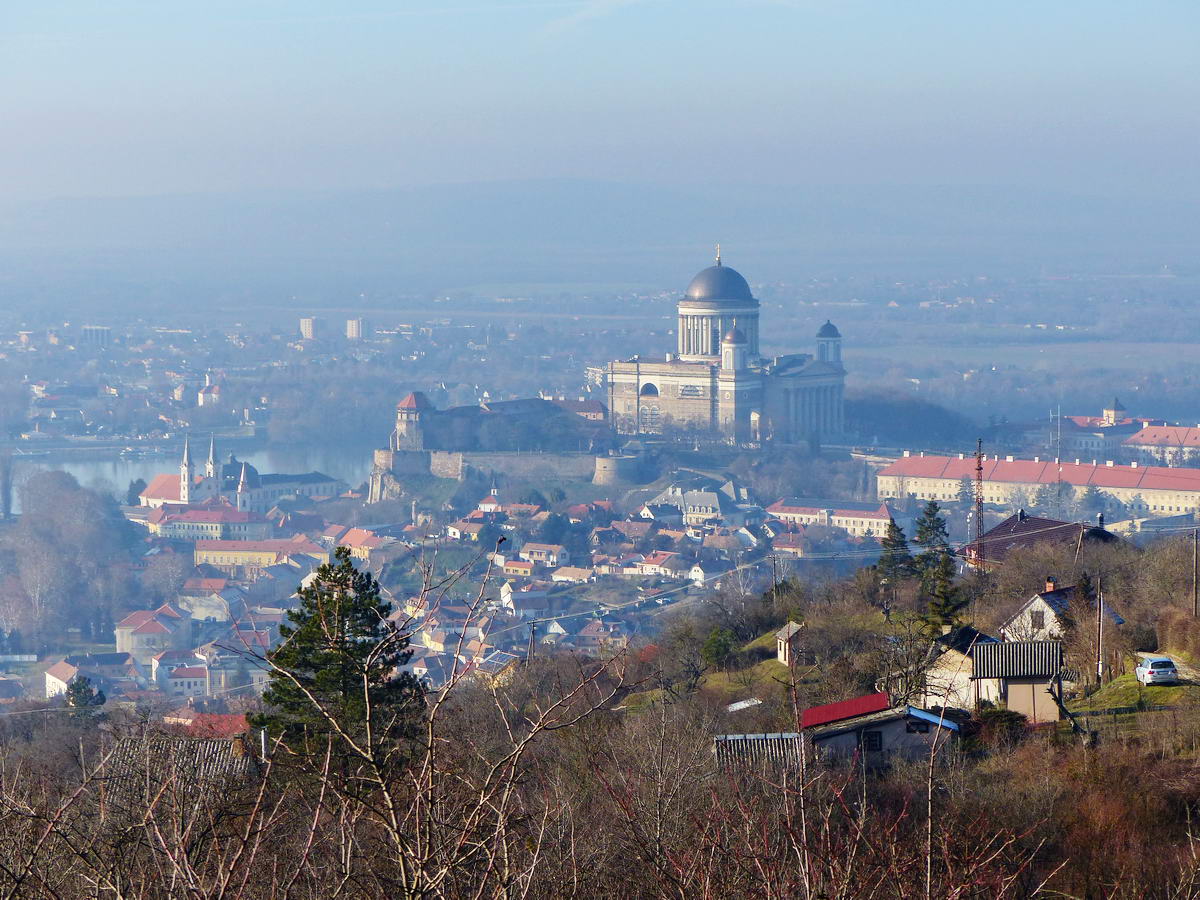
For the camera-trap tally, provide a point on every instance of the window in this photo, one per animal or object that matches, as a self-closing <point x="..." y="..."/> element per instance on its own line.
<point x="872" y="741"/>
<point x="1037" y="619"/>
<point x="916" y="726"/>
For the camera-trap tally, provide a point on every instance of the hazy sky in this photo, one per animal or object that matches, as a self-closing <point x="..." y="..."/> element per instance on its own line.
<point x="114" y="98"/>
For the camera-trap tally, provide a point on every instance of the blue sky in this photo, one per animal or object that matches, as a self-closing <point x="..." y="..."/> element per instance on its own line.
<point x="131" y="98"/>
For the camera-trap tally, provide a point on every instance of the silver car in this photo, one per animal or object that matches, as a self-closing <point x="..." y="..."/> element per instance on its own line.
<point x="1157" y="670"/>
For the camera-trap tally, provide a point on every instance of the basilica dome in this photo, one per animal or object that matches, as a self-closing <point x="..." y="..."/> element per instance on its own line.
<point x="719" y="283"/>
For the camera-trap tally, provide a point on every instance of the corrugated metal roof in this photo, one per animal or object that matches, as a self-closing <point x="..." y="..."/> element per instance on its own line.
<point x="199" y="767"/>
<point x="780" y="748"/>
<point x="833" y="712"/>
<point x="1017" y="659"/>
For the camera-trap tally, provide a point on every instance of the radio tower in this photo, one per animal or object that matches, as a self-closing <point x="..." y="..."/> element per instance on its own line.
<point x="979" y="550"/>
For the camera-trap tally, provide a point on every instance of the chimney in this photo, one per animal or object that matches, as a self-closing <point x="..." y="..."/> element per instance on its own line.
<point x="1051" y="584"/>
<point x="1100" y="520"/>
<point x="1020" y="515"/>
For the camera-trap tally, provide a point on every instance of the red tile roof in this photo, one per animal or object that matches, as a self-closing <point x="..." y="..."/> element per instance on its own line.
<point x="788" y="506"/>
<point x="1165" y="436"/>
<point x="415" y="400"/>
<point x="190" y="672"/>
<point x="297" y="544"/>
<point x="206" y="584"/>
<point x="1025" y="471"/>
<point x="217" y="725"/>
<point x="213" y="515"/>
<point x="162" y="487"/>
<point x="847" y="709"/>
<point x="63" y="671"/>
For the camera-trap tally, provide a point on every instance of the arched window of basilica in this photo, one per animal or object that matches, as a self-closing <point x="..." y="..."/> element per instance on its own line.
<point x="649" y="390"/>
<point x="648" y="417"/>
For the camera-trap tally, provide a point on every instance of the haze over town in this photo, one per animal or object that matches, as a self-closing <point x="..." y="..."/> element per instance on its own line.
<point x="599" y="447"/>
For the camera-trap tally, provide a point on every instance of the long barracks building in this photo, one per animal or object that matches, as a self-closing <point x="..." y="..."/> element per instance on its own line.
<point x="1150" y="490"/>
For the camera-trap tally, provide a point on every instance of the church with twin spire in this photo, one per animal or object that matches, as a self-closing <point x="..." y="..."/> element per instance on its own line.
<point x="234" y="482"/>
<point x="717" y="382"/>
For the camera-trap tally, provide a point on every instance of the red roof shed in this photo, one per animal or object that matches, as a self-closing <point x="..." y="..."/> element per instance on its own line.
<point x="847" y="709"/>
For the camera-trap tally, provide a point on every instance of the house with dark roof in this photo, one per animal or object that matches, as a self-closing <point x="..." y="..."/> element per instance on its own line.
<point x="876" y="738"/>
<point x="1021" y="531"/>
<point x="1043" y="616"/>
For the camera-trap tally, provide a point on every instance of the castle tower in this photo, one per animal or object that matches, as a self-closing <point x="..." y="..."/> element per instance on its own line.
<point x="409" y="432"/>
<point x="186" y="473"/>
<point x="829" y="344"/>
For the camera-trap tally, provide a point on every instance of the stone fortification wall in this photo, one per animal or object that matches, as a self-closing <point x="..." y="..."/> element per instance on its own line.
<point x="617" y="470"/>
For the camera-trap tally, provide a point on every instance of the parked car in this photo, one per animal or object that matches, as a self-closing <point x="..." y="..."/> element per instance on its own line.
<point x="1156" y="670"/>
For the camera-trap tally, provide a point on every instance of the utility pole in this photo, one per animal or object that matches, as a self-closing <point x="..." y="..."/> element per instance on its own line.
<point x="1195" y="571"/>
<point x="980" y="554"/>
<point x="1099" y="630"/>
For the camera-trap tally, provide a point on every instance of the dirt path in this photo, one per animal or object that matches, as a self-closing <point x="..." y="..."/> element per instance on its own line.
<point x="1188" y="674"/>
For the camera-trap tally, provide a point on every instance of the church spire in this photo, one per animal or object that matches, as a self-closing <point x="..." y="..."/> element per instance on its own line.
<point x="185" y="473"/>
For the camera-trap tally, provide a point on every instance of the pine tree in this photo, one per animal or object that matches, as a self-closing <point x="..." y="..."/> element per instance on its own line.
<point x="966" y="491"/>
<point x="335" y="668"/>
<point x="718" y="647"/>
<point x="895" y="560"/>
<point x="81" y="694"/>
<point x="934" y="541"/>
<point x="945" y="599"/>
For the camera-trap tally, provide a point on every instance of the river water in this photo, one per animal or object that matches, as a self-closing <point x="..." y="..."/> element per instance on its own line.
<point x="113" y="473"/>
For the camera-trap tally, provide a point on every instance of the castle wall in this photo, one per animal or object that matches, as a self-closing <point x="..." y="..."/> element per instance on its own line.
<point x="617" y="470"/>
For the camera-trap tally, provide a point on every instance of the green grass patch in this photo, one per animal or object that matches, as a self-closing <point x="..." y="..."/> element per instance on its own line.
<point x="766" y="641"/>
<point x="758" y="680"/>
<point x="641" y="700"/>
<point x="1127" y="691"/>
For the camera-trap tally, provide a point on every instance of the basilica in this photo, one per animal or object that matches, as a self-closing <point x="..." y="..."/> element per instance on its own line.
<point x="718" y="383"/>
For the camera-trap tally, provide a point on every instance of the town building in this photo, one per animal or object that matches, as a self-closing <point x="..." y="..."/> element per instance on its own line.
<point x="246" y="559"/>
<point x="147" y="632"/>
<point x="212" y="520"/>
<point x="1100" y="436"/>
<point x="860" y="519"/>
<point x="718" y="383"/>
<point x="1171" y="445"/>
<point x="237" y="482"/>
<point x="1149" y="490"/>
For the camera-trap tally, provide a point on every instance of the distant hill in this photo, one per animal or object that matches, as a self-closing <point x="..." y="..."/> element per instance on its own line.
<point x="264" y="247"/>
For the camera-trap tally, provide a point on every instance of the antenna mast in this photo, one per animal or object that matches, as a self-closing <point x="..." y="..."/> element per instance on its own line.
<point x="980" y="555"/>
